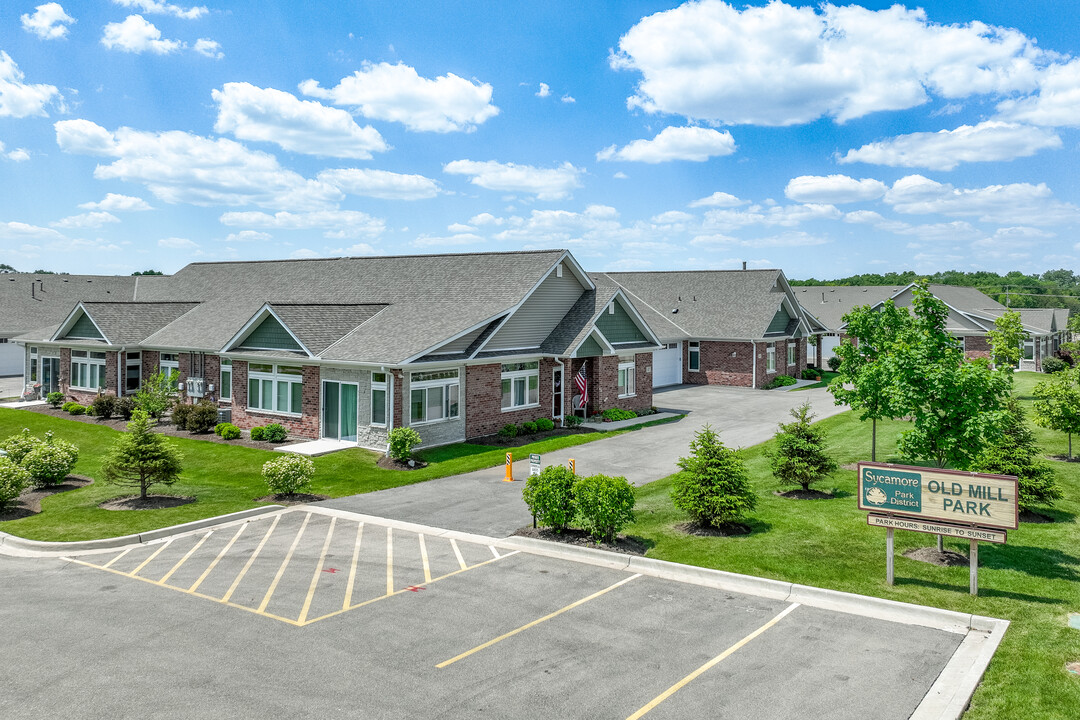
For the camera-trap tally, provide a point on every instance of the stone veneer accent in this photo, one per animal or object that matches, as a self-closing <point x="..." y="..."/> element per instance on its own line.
<point x="306" y="426"/>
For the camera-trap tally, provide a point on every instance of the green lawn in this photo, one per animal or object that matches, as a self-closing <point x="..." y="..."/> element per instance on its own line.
<point x="1031" y="581"/>
<point x="225" y="478"/>
<point x="826" y="378"/>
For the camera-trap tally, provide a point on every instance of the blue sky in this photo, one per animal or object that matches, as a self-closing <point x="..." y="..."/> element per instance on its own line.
<point x="823" y="139"/>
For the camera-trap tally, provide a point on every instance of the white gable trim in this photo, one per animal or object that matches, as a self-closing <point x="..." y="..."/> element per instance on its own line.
<point x="249" y="327"/>
<point x="599" y="337"/>
<point x="69" y="322"/>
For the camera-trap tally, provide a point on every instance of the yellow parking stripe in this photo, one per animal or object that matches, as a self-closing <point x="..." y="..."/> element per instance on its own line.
<point x="457" y="553"/>
<point x="250" y="562"/>
<point x="185" y="558"/>
<point x="317" y="573"/>
<point x="423" y="558"/>
<point x="220" y="555"/>
<point x="106" y="565"/>
<point x="389" y="561"/>
<point x="148" y="560"/>
<point x="284" y="564"/>
<point x="352" y="570"/>
<point x="686" y="680"/>
<point x="536" y="622"/>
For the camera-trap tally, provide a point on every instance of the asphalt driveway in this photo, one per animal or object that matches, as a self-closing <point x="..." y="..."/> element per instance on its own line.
<point x="479" y="502"/>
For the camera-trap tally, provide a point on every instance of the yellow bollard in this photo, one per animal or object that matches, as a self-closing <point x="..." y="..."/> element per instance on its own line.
<point x="509" y="468"/>
<point x="573" y="467"/>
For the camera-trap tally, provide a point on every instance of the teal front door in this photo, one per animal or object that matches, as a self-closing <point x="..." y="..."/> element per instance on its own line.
<point x="339" y="410"/>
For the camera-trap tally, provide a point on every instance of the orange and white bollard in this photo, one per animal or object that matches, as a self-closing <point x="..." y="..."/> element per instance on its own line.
<point x="509" y="468"/>
<point x="573" y="466"/>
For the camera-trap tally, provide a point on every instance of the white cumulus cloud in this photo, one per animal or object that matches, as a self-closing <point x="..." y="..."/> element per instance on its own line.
<point x="397" y="93"/>
<point x="674" y="143"/>
<point x="1013" y="204"/>
<point x="1057" y="102"/>
<point x="118" y="203"/>
<point x="209" y="48"/>
<point x="545" y="183"/>
<point x="305" y="126"/>
<point x="718" y="199"/>
<point x="19" y="99"/>
<point x="544" y="90"/>
<point x="333" y="223"/>
<point x="836" y="189"/>
<point x="989" y="141"/>
<point x="155" y="7"/>
<point x="137" y="35"/>
<point x="49" y="21"/>
<point x="380" y="184"/>
<point x="248" y="236"/>
<point x="177" y="243"/>
<point x="86" y="220"/>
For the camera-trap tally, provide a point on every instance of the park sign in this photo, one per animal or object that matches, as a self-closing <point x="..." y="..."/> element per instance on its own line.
<point x="949" y="496"/>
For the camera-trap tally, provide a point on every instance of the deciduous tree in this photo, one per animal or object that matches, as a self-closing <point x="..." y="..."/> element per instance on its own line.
<point x="1057" y="403"/>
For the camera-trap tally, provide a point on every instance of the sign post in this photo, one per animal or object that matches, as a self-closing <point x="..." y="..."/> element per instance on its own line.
<point x="534" y="464"/>
<point x="972" y="506"/>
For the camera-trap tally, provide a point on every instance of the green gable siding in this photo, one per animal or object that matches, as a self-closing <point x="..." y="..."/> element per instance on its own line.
<point x="619" y="327"/>
<point x="270" y="335"/>
<point x="84" y="328"/>
<point x="779" y="321"/>
<point x="589" y="348"/>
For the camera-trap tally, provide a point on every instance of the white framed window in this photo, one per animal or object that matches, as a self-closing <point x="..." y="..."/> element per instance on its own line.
<point x="170" y="363"/>
<point x="87" y="370"/>
<point x="626" y="379"/>
<point x="378" y="399"/>
<point x="1029" y="349"/>
<point x="520" y="385"/>
<point x="225" y="392"/>
<point x="695" y="356"/>
<point x="276" y="388"/>
<point x="33" y="364"/>
<point x="770" y="359"/>
<point x="963" y="344"/>
<point x="790" y="354"/>
<point x="132" y="372"/>
<point x="433" y="396"/>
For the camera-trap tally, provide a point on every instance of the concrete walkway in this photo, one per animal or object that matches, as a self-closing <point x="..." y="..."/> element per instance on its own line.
<point x="480" y="502"/>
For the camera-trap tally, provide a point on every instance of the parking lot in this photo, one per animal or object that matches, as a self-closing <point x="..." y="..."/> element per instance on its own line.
<point x="377" y="619"/>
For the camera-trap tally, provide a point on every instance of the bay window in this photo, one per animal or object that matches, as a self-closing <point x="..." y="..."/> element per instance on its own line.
<point x="276" y="388"/>
<point x="87" y="370"/>
<point x="520" y="385"/>
<point x="433" y="396"/>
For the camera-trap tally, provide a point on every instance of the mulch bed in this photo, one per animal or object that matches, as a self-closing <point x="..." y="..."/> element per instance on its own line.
<point x="801" y="494"/>
<point x="29" y="501"/>
<point x="944" y="558"/>
<point x="520" y="440"/>
<point x="388" y="463"/>
<point x="1064" y="458"/>
<point x="165" y="427"/>
<point x="572" y="536"/>
<point x="723" y="530"/>
<point x="1030" y="516"/>
<point x="292" y="498"/>
<point x="150" y="502"/>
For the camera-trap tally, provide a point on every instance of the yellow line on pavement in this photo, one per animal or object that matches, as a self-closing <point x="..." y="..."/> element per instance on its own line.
<point x="284" y="564"/>
<point x="106" y="565"/>
<point x="409" y="589"/>
<point x="423" y="557"/>
<point x="317" y="573"/>
<point x="220" y="555"/>
<point x="185" y="558"/>
<point x="251" y="560"/>
<point x="536" y="622"/>
<point x="689" y="678"/>
<point x="352" y="570"/>
<point x="153" y="555"/>
<point x="389" y="561"/>
<point x="457" y="552"/>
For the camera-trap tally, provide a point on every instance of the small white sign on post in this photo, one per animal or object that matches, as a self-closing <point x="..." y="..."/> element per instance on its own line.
<point x="534" y="464"/>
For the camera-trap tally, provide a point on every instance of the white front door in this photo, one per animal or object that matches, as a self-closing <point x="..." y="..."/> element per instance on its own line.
<point x="667" y="366"/>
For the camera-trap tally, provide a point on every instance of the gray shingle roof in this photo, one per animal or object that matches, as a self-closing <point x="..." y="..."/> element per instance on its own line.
<point x="711" y="304"/>
<point x="131" y="323"/>
<point x="54" y="297"/>
<point x="829" y="303"/>
<point x="577" y="323"/>
<point x="320" y="326"/>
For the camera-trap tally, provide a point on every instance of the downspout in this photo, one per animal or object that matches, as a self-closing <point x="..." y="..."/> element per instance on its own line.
<point x="753" y="381"/>
<point x="120" y="371"/>
<point x="562" y="395"/>
<point x="389" y="405"/>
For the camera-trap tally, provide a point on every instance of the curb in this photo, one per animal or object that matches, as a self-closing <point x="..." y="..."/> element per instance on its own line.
<point x="18" y="543"/>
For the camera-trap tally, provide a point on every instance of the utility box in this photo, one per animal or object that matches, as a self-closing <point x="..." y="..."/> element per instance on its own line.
<point x="196" y="387"/>
<point x="224" y="415"/>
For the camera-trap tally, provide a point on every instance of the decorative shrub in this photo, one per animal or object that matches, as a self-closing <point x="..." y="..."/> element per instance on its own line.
<point x="258" y="433"/>
<point x="230" y="432"/>
<point x="799" y="455"/>
<point x="508" y="431"/>
<point x="13" y="480"/>
<point x="50" y="462"/>
<point x="528" y="428"/>
<point x="1053" y="365"/>
<point x="833" y="363"/>
<point x="125" y="406"/>
<point x="54" y="399"/>
<point x="605" y="505"/>
<point x="89" y="410"/>
<point x="76" y="409"/>
<point x="274" y="432"/>
<point x="1066" y="354"/>
<point x="66" y="407"/>
<point x="614" y="414"/>
<point x="550" y="497"/>
<point x="104" y="406"/>
<point x="219" y="427"/>
<point x="544" y="424"/>
<point x="572" y="421"/>
<point x="202" y="417"/>
<point x="811" y="374"/>
<point x="180" y="414"/>
<point x="156" y="395"/>
<point x="402" y="441"/>
<point x="644" y="412"/>
<point x="288" y="474"/>
<point x="781" y="381"/>
<point x="17" y="446"/>
<point x="714" y="485"/>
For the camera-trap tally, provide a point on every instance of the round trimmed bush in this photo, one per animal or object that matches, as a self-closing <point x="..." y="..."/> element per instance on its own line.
<point x="508" y="431"/>
<point x="544" y="424"/>
<point x="258" y="433"/>
<point x="833" y="363"/>
<point x="219" y="427"/>
<point x="275" y="433"/>
<point x="103" y="406"/>
<point x="1053" y="365"/>
<point x="77" y="409"/>
<point x="17" y="446"/>
<point x="528" y="428"/>
<point x="402" y="441"/>
<point x="605" y="505"/>
<point x="550" y="497"/>
<point x="125" y="407"/>
<point x="572" y="421"/>
<point x="289" y="474"/>
<point x="55" y="399"/>
<point x="230" y="432"/>
<point x="66" y="407"/>
<point x="50" y="462"/>
<point x="13" y="480"/>
<point x="202" y="417"/>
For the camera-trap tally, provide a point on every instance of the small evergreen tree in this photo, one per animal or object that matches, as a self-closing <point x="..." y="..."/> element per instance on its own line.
<point x="714" y="485"/>
<point x="141" y="458"/>
<point x="1016" y="452"/>
<point x="799" y="456"/>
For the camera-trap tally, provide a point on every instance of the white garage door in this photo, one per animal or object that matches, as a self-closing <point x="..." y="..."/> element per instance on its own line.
<point x="11" y="359"/>
<point x="667" y="366"/>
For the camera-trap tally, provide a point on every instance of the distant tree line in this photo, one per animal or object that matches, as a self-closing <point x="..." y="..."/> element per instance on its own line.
<point x="5" y="268"/>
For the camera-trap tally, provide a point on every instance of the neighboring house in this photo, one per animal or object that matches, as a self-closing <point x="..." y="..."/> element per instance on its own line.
<point x="719" y="327"/>
<point x="31" y="300"/>
<point x="456" y="346"/>
<point x="971" y="317"/>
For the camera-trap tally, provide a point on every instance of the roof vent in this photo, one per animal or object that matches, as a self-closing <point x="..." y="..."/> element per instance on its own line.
<point x="674" y="310"/>
<point x="743" y="264"/>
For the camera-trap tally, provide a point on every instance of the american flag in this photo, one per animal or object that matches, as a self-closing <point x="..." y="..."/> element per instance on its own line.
<point x="582" y="386"/>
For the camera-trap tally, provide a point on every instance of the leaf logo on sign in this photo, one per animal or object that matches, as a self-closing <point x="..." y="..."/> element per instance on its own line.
<point x="876" y="496"/>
